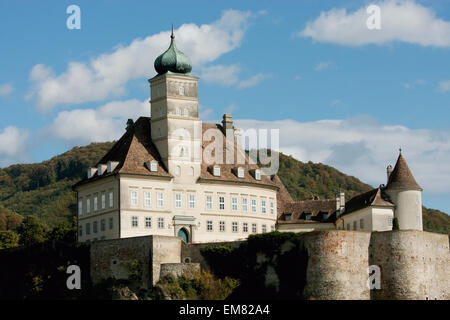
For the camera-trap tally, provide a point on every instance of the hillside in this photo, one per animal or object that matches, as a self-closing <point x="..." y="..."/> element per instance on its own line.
<point x="44" y="189"/>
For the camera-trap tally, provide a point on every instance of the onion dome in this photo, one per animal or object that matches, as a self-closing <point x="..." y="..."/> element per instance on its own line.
<point x="401" y="177"/>
<point x="173" y="60"/>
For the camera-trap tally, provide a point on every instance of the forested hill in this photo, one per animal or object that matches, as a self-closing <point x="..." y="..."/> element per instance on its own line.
<point x="44" y="189"/>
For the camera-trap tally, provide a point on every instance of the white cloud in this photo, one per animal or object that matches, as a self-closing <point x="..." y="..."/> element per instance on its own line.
<point x="6" y="89"/>
<point x="220" y="74"/>
<point x="107" y="123"/>
<point x="404" y="21"/>
<point x="363" y="148"/>
<point x="108" y="74"/>
<point x="13" y="142"/>
<point x="253" y="81"/>
<point x="335" y="102"/>
<point x="444" y="86"/>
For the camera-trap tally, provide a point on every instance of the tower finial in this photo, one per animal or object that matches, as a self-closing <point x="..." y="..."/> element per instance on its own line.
<point x="172" y="36"/>
<point x="400" y="150"/>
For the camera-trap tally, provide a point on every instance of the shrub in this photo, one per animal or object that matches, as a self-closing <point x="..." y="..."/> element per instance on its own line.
<point x="395" y="225"/>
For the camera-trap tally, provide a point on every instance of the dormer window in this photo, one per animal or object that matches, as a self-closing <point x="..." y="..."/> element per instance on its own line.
<point x="308" y="216"/>
<point x="216" y="171"/>
<point x="153" y="166"/>
<point x="288" y="217"/>
<point x="258" y="174"/>
<point x="324" y="216"/>
<point x="240" y="172"/>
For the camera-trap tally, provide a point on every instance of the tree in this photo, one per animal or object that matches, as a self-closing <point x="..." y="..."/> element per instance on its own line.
<point x="8" y="239"/>
<point x="65" y="231"/>
<point x="395" y="225"/>
<point x="32" y="231"/>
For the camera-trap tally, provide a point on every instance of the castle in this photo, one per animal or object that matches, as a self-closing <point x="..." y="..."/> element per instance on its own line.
<point x="162" y="193"/>
<point x="164" y="176"/>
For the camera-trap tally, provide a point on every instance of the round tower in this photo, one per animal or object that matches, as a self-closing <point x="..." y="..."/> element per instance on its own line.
<point x="406" y="194"/>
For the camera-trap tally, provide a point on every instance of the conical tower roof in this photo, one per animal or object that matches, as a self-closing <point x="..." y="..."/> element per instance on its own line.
<point x="401" y="177"/>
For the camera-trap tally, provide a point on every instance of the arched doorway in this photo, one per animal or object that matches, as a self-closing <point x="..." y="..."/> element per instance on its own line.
<point x="183" y="234"/>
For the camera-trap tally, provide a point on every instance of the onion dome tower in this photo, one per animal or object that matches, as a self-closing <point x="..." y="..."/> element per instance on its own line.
<point x="406" y="194"/>
<point x="176" y="129"/>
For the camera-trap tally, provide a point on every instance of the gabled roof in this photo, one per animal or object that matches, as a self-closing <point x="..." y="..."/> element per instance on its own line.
<point x="316" y="208"/>
<point x="226" y="170"/>
<point x="131" y="151"/>
<point x="401" y="177"/>
<point x="374" y="197"/>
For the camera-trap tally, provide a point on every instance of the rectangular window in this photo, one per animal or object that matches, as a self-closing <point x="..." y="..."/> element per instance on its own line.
<point x="245" y="227"/>
<point x="222" y="203"/>
<point x="103" y="225"/>
<point x="134" y="222"/>
<point x="161" y="223"/>
<point x="254" y="229"/>
<point x="263" y="206"/>
<point x="111" y="199"/>
<point x="348" y="226"/>
<point x="134" y="197"/>
<point x="88" y="228"/>
<point x="272" y="228"/>
<point x="160" y="199"/>
<point x="244" y="204"/>
<point x="264" y="228"/>
<point x="88" y="205"/>
<point x="354" y="225"/>
<point x="177" y="200"/>
<point x="222" y="226"/>
<point x="192" y="201"/>
<point x="272" y="208"/>
<point x="111" y="223"/>
<point x="234" y="204"/>
<point x="80" y="207"/>
<point x="208" y="202"/>
<point x="95" y="227"/>
<point x="209" y="226"/>
<point x="253" y="205"/>
<point x="234" y="226"/>
<point x="95" y="203"/>
<point x="103" y="201"/>
<point x="361" y="224"/>
<point x="148" y="222"/>
<point x="147" y="199"/>
<point x="80" y="231"/>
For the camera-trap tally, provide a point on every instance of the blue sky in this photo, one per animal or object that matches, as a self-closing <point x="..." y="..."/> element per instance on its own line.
<point x="339" y="93"/>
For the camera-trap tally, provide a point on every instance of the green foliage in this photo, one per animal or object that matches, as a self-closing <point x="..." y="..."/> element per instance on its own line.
<point x="64" y="231"/>
<point x="435" y="221"/>
<point x="8" y="239"/>
<point x="45" y="189"/>
<point x="39" y="271"/>
<point x="202" y="286"/>
<point x="395" y="225"/>
<point x="282" y="251"/>
<point x="9" y="220"/>
<point x="32" y="231"/>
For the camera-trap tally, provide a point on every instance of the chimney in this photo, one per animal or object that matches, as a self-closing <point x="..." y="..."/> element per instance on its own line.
<point x="340" y="204"/>
<point x="130" y="122"/>
<point x="388" y="171"/>
<point x="227" y="122"/>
